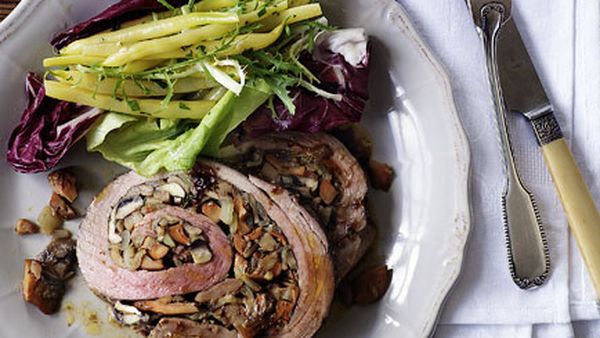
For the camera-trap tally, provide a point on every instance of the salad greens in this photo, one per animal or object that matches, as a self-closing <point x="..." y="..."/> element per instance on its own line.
<point x="48" y="129"/>
<point x="173" y="79"/>
<point x="148" y="146"/>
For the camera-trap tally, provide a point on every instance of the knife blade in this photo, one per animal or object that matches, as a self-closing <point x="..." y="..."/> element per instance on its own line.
<point x="524" y="93"/>
<point x="521" y="86"/>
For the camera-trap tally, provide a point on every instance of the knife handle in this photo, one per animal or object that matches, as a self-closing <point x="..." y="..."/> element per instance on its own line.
<point x="578" y="203"/>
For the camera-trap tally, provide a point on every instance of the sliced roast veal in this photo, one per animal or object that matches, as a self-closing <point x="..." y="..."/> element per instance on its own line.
<point x="327" y="179"/>
<point x="105" y="277"/>
<point x="220" y="257"/>
<point x="309" y="245"/>
<point x="185" y="328"/>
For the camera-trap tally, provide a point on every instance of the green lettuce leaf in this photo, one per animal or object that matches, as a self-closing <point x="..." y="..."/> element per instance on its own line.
<point x="148" y="146"/>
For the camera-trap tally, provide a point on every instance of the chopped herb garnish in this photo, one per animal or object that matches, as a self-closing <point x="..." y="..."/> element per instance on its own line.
<point x="133" y="105"/>
<point x="166" y="4"/>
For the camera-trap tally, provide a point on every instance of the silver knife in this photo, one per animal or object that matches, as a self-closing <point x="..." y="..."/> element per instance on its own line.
<point x="529" y="260"/>
<point x="523" y="92"/>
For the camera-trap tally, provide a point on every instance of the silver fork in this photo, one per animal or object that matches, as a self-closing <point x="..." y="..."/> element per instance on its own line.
<point x="528" y="256"/>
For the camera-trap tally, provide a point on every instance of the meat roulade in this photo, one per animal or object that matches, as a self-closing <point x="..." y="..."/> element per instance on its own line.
<point x="327" y="179"/>
<point x="206" y="253"/>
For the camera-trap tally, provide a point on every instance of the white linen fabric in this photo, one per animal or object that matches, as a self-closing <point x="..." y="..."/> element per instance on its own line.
<point x="563" y="39"/>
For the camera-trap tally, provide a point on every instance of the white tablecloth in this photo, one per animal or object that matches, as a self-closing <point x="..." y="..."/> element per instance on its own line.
<point x="563" y="38"/>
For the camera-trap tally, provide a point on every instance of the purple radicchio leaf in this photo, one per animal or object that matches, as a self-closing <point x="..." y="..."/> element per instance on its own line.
<point x="341" y="63"/>
<point x="48" y="129"/>
<point x="111" y="17"/>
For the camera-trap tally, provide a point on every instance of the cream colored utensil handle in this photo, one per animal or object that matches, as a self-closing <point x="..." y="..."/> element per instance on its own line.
<point x="578" y="203"/>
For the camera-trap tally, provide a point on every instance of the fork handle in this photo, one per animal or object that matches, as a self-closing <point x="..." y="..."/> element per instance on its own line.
<point x="578" y="203"/>
<point x="528" y="257"/>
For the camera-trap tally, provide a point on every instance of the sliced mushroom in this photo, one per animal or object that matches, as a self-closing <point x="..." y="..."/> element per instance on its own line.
<point x="173" y="189"/>
<point x="267" y="243"/>
<point x="226" y="214"/>
<point x="168" y="241"/>
<point x="41" y="291"/>
<point x="239" y="243"/>
<point x="212" y="210"/>
<point x="163" y="306"/>
<point x="112" y="232"/>
<point x="309" y="182"/>
<point x="161" y="196"/>
<point x="26" y="227"/>
<point x="44" y="278"/>
<point x="201" y="254"/>
<point x="145" y="190"/>
<point x="61" y="234"/>
<point x="61" y="207"/>
<point x="133" y="259"/>
<point x="133" y="219"/>
<point x="228" y="286"/>
<point x="297" y="171"/>
<point x="152" y="265"/>
<point x="158" y="251"/>
<point x="269" y="172"/>
<point x="127" y="314"/>
<point x="327" y="192"/>
<point x="178" y="234"/>
<point x="185" y="328"/>
<point x="64" y="183"/>
<point x="255" y="234"/>
<point x="242" y="213"/>
<point x="283" y="310"/>
<point x="367" y="287"/>
<point x="381" y="175"/>
<point x="183" y="181"/>
<point x="194" y="233"/>
<point x="128" y="206"/>
<point x="115" y="255"/>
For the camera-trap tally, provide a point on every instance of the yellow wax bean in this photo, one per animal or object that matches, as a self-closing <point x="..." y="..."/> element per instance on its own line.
<point x="210" y="5"/>
<point x="146" y="19"/>
<point x="72" y="60"/>
<point x="170" y="47"/>
<point x="176" y="109"/>
<point x="252" y="41"/>
<point x="94" y="49"/>
<point x="140" y="65"/>
<point x="258" y="14"/>
<point x="292" y="15"/>
<point x="296" y="3"/>
<point x="155" y="29"/>
<point x="132" y="89"/>
<point x="201" y="6"/>
<point x="144" y="49"/>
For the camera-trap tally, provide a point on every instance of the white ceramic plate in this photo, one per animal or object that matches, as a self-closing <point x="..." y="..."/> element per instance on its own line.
<point x="423" y="221"/>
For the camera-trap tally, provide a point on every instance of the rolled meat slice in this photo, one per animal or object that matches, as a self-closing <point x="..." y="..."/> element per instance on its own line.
<point x="327" y="179"/>
<point x="124" y="229"/>
<point x="206" y="253"/>
<point x="308" y="244"/>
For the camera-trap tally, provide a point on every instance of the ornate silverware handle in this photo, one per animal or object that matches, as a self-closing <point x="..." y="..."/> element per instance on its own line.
<point x="526" y="243"/>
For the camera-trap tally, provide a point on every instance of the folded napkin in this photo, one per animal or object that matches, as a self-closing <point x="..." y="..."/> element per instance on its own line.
<point x="563" y="39"/>
<point x="586" y="143"/>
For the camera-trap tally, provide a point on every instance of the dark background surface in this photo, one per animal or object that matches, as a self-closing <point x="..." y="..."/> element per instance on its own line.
<point x="6" y="6"/>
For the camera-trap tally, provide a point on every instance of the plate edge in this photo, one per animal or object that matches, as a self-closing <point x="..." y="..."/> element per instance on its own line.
<point x="17" y="17"/>
<point x="464" y="164"/>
